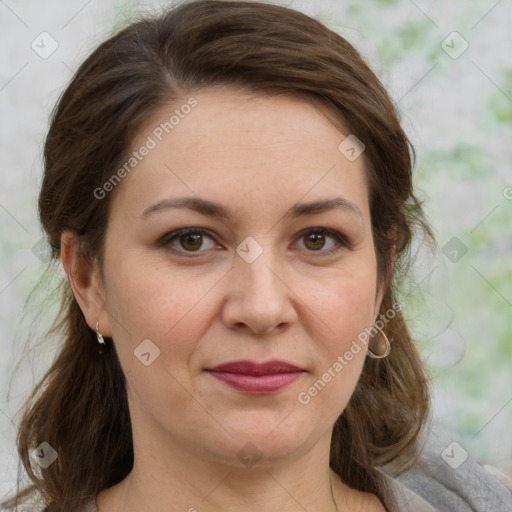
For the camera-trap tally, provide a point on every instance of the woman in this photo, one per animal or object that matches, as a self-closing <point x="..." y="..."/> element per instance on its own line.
<point x="229" y="190"/>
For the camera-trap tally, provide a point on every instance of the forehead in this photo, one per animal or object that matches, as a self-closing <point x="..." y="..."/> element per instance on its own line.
<point x="226" y="118"/>
<point x="274" y="149"/>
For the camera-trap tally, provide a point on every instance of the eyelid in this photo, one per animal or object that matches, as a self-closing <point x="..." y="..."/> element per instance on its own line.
<point x="166" y="240"/>
<point x="336" y="235"/>
<point x="333" y="233"/>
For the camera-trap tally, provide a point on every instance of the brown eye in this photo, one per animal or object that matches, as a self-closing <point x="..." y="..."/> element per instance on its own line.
<point x="314" y="241"/>
<point x="323" y="240"/>
<point x="191" y="242"/>
<point x="188" y="241"/>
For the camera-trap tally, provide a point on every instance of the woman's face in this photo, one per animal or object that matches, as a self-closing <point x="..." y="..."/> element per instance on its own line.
<point x="252" y="285"/>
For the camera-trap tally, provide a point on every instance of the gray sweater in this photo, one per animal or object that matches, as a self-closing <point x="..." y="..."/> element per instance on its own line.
<point x="449" y="480"/>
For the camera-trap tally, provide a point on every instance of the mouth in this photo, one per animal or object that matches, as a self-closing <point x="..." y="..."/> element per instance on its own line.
<point x="256" y="378"/>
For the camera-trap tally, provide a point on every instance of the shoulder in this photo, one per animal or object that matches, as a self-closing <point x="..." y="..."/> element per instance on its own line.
<point x="445" y="477"/>
<point x="90" y="506"/>
<point x="369" y="502"/>
<point x="354" y="500"/>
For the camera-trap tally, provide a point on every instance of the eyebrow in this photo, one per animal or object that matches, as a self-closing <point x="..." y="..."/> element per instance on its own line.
<point x="212" y="209"/>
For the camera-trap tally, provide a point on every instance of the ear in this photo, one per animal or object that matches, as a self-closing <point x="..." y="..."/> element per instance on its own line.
<point x="85" y="281"/>
<point x="383" y="285"/>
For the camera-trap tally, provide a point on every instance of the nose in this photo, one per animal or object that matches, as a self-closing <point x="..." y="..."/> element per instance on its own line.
<point x="259" y="299"/>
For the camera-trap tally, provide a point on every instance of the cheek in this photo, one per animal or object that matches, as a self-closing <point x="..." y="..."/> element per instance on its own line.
<point x="150" y="293"/>
<point x="147" y="301"/>
<point x="150" y="299"/>
<point x="344" y="304"/>
<point x="346" y="309"/>
<point x="172" y="306"/>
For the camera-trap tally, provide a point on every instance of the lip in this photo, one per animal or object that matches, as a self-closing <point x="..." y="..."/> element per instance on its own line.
<point x="257" y="378"/>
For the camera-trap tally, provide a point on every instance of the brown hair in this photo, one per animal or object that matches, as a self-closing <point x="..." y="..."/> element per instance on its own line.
<point x="80" y="406"/>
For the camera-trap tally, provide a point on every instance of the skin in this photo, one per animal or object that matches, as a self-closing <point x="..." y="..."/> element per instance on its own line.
<point x="257" y="156"/>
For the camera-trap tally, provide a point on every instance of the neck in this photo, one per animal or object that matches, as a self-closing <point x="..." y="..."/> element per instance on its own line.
<point x="176" y="480"/>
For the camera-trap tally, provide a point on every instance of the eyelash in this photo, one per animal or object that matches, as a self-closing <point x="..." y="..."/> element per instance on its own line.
<point x="166" y="240"/>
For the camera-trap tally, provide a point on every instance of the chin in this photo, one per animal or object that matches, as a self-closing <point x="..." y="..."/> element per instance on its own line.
<point x="264" y="441"/>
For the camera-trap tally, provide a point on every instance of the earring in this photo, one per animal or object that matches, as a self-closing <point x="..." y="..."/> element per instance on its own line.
<point x="381" y="346"/>
<point x="99" y="337"/>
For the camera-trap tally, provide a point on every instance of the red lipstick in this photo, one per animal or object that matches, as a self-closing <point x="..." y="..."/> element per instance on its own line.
<point x="256" y="378"/>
